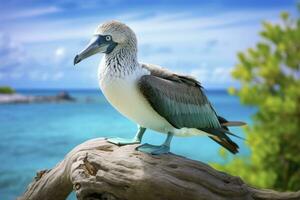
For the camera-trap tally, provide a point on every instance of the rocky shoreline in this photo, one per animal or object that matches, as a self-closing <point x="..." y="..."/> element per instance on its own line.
<point x="19" y="98"/>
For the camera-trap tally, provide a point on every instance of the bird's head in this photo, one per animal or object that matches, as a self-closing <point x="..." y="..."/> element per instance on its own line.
<point x="109" y="37"/>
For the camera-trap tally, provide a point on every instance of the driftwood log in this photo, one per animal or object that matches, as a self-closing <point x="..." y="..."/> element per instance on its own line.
<point x="97" y="169"/>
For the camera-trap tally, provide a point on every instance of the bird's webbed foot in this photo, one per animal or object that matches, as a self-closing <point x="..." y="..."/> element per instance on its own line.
<point x="123" y="141"/>
<point x="154" y="149"/>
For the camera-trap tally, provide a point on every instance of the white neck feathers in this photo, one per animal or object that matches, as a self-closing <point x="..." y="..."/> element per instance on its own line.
<point x="119" y="63"/>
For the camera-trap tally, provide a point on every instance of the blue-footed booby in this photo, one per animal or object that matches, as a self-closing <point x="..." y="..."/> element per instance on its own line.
<point x="151" y="96"/>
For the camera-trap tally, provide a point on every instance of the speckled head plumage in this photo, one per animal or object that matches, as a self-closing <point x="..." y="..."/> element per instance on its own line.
<point x="120" y="32"/>
<point x="111" y="37"/>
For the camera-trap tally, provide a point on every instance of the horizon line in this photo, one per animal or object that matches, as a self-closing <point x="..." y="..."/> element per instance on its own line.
<point x="62" y="89"/>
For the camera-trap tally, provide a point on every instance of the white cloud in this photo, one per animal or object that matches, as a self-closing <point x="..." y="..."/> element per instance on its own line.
<point x="178" y="41"/>
<point x="57" y="76"/>
<point x="164" y="28"/>
<point x="37" y="75"/>
<point x="208" y="76"/>
<point x="16" y="75"/>
<point x="11" y="53"/>
<point x="59" y="54"/>
<point x="34" y="75"/>
<point x="33" y="12"/>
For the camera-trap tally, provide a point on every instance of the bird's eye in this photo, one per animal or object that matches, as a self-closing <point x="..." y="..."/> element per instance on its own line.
<point x="108" y="38"/>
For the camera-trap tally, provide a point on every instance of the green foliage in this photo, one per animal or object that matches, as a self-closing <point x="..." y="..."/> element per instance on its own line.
<point x="270" y="80"/>
<point x="6" y="90"/>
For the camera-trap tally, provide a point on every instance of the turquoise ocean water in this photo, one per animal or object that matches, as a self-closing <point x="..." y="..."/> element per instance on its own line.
<point x="37" y="136"/>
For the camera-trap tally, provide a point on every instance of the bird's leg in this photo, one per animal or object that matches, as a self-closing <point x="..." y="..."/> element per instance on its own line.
<point x="123" y="141"/>
<point x="157" y="149"/>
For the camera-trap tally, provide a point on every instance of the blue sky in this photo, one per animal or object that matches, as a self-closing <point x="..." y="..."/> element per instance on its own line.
<point x="39" y="39"/>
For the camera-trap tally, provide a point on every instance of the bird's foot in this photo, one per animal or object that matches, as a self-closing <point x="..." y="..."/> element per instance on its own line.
<point x="123" y="141"/>
<point x="154" y="149"/>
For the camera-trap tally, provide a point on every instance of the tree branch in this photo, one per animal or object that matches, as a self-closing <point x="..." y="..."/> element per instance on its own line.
<point x="97" y="169"/>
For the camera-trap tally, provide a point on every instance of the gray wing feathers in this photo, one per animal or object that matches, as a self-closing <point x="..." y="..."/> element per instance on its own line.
<point x="182" y="104"/>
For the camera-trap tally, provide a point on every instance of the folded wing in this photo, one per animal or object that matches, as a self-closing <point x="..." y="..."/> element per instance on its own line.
<point x="181" y="104"/>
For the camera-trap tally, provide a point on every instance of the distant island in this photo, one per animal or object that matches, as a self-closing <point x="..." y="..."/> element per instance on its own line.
<point x="6" y="90"/>
<point x="8" y="95"/>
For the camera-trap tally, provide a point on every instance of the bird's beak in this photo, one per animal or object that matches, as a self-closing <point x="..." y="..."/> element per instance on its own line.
<point x="96" y="45"/>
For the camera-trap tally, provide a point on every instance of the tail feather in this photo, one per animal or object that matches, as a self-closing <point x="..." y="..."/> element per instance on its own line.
<point x="234" y="135"/>
<point x="233" y="123"/>
<point x="225" y="122"/>
<point x="219" y="136"/>
<point x="227" y="144"/>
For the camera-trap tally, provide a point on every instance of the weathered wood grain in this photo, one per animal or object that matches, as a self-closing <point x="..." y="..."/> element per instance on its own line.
<point x="97" y="169"/>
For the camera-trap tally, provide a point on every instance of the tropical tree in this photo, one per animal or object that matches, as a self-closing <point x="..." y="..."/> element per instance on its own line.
<point x="269" y="75"/>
